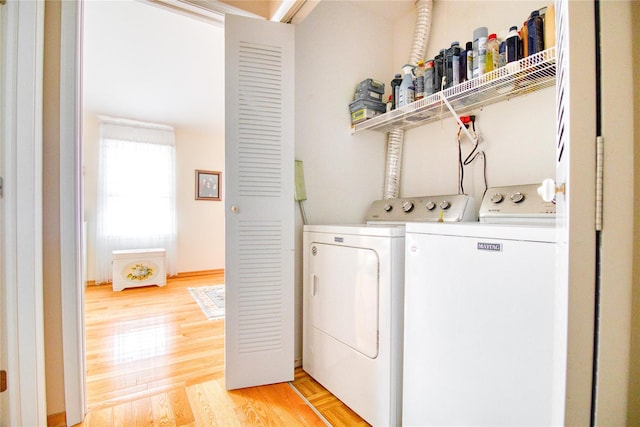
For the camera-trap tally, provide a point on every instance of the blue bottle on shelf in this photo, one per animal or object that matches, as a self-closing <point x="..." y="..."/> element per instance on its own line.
<point x="535" y="33"/>
<point x="512" y="49"/>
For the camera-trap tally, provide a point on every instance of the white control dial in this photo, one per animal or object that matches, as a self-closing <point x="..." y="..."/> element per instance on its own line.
<point x="430" y="205"/>
<point x="445" y="205"/>
<point x="517" y="197"/>
<point x="407" y="206"/>
<point x="388" y="207"/>
<point x="497" y="198"/>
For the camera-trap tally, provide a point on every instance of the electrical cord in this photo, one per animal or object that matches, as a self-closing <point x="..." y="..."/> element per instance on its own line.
<point x="472" y="156"/>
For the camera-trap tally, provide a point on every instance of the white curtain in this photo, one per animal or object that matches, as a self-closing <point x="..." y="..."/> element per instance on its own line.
<point x="136" y="206"/>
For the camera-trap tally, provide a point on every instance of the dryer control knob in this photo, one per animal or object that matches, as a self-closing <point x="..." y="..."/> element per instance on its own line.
<point x="388" y="207"/>
<point x="517" y="197"/>
<point x="497" y="198"/>
<point x="430" y="205"/>
<point x="445" y="204"/>
<point x="407" y="206"/>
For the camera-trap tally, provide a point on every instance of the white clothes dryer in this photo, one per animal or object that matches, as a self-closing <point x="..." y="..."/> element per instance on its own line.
<point x="353" y="301"/>
<point x="353" y="310"/>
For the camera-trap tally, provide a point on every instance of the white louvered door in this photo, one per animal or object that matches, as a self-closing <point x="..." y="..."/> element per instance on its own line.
<point x="259" y="160"/>
<point x="575" y="170"/>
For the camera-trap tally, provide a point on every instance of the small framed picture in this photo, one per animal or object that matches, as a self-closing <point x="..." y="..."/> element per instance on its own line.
<point x="208" y="185"/>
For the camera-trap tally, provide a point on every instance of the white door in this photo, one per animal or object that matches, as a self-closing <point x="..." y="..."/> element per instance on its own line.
<point x="575" y="170"/>
<point x="24" y="402"/>
<point x="259" y="319"/>
<point x="345" y="289"/>
<point x="3" y="323"/>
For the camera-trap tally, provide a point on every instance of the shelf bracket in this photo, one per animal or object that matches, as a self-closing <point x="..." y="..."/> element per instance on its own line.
<point x="457" y="117"/>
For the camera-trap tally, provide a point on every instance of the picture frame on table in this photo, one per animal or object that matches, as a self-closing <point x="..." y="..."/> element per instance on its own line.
<point x="208" y="184"/>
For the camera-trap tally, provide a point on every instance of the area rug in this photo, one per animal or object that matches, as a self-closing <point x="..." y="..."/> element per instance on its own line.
<point x="210" y="299"/>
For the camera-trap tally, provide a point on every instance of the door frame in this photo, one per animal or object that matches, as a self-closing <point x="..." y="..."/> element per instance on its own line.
<point x="71" y="276"/>
<point x="71" y="219"/>
<point x="579" y="363"/>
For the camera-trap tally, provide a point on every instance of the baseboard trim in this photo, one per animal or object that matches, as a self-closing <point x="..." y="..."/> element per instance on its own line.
<point x="198" y="273"/>
<point x="57" y="420"/>
<point x="182" y="275"/>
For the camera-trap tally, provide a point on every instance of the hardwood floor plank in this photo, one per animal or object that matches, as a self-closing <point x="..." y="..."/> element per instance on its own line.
<point x="204" y="413"/>
<point x="101" y="418"/>
<point x="260" y="404"/>
<point x="245" y="405"/>
<point x="223" y="404"/>
<point x="142" y="412"/>
<point x="336" y="412"/>
<point x="180" y="406"/>
<point x="153" y="359"/>
<point x="122" y="415"/>
<point x="287" y="405"/>
<point x="162" y="412"/>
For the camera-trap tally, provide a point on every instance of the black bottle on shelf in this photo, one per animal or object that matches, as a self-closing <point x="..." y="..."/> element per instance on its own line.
<point x="395" y="84"/>
<point x="439" y="70"/>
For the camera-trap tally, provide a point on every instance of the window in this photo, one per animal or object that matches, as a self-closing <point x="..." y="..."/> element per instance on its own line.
<point x="136" y="207"/>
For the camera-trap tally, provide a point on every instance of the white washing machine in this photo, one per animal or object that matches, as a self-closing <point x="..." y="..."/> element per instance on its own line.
<point x="354" y="299"/>
<point x="484" y="330"/>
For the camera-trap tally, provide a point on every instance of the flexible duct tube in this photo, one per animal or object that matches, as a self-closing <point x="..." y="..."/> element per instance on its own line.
<point x="395" y="138"/>
<point x="421" y="31"/>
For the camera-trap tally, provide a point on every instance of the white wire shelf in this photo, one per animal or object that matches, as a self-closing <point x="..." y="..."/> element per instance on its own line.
<point x="527" y="75"/>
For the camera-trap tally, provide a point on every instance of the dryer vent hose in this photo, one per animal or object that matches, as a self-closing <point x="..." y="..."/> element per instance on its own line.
<point x="395" y="138"/>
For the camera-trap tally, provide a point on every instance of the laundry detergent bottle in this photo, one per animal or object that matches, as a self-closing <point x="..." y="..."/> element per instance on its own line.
<point x="407" y="90"/>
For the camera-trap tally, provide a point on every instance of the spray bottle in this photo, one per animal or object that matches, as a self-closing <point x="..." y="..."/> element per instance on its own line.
<point x="406" y="92"/>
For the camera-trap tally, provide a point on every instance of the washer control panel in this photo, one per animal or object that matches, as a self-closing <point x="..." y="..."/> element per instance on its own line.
<point x="445" y="208"/>
<point x="516" y="204"/>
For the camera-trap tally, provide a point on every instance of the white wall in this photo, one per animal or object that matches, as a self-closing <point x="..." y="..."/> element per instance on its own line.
<point x="200" y="223"/>
<point x="517" y="136"/>
<point x="340" y="44"/>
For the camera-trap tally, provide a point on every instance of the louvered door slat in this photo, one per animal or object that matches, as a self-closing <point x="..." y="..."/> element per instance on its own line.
<point x="259" y="230"/>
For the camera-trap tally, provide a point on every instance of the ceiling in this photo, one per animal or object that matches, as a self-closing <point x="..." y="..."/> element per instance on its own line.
<point x="143" y="62"/>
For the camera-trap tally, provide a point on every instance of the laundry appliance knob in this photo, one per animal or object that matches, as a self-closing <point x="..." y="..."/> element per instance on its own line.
<point x="407" y="206"/>
<point x="497" y="198"/>
<point x="517" y="197"/>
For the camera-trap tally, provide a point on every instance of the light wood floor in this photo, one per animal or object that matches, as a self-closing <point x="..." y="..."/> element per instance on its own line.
<point x="154" y="359"/>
